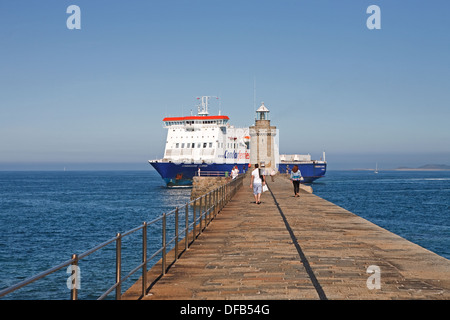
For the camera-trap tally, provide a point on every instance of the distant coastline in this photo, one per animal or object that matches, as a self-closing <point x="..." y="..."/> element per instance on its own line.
<point x="427" y="167"/>
<point x="415" y="169"/>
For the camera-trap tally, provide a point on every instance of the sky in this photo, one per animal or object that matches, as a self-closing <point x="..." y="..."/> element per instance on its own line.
<point x="95" y="97"/>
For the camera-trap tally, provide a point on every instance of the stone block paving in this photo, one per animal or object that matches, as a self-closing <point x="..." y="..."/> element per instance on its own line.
<point x="289" y="248"/>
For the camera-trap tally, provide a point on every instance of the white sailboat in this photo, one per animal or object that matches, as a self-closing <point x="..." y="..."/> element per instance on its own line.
<point x="376" y="168"/>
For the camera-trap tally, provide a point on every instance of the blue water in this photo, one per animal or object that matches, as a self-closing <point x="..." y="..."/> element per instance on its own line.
<point x="412" y="204"/>
<point x="45" y="217"/>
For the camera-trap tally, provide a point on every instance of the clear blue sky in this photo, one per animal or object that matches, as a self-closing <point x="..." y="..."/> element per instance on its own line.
<point x="98" y="95"/>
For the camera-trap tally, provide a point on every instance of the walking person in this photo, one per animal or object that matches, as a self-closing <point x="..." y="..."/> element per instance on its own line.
<point x="257" y="181"/>
<point x="234" y="172"/>
<point x="272" y="174"/>
<point x="296" y="176"/>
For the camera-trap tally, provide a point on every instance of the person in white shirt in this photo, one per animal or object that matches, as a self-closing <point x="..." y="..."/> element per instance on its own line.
<point x="234" y="172"/>
<point x="257" y="181"/>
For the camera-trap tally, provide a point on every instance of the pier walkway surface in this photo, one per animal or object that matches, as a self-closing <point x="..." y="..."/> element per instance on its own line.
<point x="298" y="248"/>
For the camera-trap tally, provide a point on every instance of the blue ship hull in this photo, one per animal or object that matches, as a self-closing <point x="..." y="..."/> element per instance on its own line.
<point x="310" y="171"/>
<point x="182" y="174"/>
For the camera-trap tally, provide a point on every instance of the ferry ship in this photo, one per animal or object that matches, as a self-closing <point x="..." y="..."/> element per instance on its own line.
<point x="201" y="145"/>
<point x="208" y="145"/>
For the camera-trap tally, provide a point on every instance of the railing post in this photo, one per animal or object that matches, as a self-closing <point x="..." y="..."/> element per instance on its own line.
<point x="209" y="206"/>
<point x="164" y="244"/>
<point x="194" y="217"/>
<point x="226" y="194"/>
<point x="201" y="213"/>
<point x="227" y="190"/>
<point x="75" y="279"/>
<point x="144" y="259"/>
<point x="176" y="234"/>
<point x="220" y="198"/>
<point x="217" y="202"/>
<point x="222" y="192"/>
<point x="206" y="208"/>
<point x="186" y="233"/>
<point x="118" y="266"/>
<point x="214" y="203"/>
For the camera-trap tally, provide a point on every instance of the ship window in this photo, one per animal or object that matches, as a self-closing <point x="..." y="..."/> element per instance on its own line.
<point x="204" y="144"/>
<point x="182" y="145"/>
<point x="177" y="145"/>
<point x="210" y="144"/>
<point x="193" y="145"/>
<point x="199" y="145"/>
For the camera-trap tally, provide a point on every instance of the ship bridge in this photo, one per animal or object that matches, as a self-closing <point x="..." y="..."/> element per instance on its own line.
<point x="191" y="121"/>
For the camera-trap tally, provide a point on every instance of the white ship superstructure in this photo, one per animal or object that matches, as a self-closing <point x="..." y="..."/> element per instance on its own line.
<point x="204" y="142"/>
<point x="205" y="139"/>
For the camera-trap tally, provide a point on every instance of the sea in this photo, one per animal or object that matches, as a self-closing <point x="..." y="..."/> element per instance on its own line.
<point x="46" y="216"/>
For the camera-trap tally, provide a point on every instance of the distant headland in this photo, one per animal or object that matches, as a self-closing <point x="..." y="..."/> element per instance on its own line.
<point x="427" y="167"/>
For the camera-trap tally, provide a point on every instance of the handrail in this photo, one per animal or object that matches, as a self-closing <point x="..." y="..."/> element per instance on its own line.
<point x="207" y="206"/>
<point x="213" y="174"/>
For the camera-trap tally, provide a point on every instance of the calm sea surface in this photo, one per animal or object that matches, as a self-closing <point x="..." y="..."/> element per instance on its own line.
<point x="412" y="204"/>
<point x="45" y="217"/>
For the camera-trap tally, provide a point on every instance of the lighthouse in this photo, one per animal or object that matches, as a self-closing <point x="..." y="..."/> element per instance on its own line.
<point x="264" y="141"/>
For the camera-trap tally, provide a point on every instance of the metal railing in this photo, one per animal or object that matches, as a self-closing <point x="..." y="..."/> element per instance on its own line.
<point x="204" y="209"/>
<point x="212" y="174"/>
